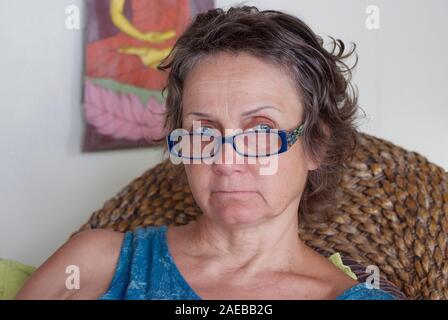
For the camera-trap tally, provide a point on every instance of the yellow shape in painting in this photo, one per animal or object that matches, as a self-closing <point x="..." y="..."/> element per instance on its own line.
<point x="149" y="56"/>
<point x="124" y="25"/>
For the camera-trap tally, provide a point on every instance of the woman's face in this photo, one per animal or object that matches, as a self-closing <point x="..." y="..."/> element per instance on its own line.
<point x="226" y="91"/>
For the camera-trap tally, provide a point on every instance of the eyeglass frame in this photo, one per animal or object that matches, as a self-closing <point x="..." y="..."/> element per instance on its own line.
<point x="288" y="138"/>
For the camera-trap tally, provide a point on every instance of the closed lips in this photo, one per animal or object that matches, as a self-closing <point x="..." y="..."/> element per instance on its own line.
<point x="233" y="191"/>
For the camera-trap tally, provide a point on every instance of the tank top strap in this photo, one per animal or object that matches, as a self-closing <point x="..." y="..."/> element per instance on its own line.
<point x="146" y="270"/>
<point x="140" y="252"/>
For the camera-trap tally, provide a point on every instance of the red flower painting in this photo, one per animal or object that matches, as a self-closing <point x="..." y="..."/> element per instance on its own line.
<point x="125" y="41"/>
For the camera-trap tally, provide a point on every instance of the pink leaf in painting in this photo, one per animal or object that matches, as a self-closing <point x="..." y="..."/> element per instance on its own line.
<point x="123" y="116"/>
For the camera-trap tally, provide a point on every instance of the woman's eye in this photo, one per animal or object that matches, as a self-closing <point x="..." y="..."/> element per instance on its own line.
<point x="204" y="129"/>
<point x="262" y="126"/>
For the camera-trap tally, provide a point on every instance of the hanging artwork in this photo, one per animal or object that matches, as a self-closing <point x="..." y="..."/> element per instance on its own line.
<point x="125" y="41"/>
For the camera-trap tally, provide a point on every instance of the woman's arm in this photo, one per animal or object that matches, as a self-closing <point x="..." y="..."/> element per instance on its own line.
<point x="94" y="253"/>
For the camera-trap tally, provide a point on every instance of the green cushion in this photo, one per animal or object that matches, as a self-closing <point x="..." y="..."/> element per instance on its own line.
<point x="336" y="259"/>
<point x="13" y="276"/>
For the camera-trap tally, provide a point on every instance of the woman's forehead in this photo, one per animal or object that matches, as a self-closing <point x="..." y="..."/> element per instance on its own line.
<point x="234" y="70"/>
<point x="239" y="99"/>
<point x="237" y="79"/>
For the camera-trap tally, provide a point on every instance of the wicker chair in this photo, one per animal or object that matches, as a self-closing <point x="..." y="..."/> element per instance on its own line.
<point x="392" y="212"/>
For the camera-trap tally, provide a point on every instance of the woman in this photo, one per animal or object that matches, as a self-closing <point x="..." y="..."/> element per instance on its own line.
<point x="268" y="75"/>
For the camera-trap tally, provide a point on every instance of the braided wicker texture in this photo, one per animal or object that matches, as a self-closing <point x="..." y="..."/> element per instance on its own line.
<point x="392" y="212"/>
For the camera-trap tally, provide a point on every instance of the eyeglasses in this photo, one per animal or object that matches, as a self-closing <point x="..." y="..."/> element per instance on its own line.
<point x="255" y="143"/>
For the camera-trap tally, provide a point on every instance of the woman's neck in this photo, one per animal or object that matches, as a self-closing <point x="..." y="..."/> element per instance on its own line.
<point x="271" y="245"/>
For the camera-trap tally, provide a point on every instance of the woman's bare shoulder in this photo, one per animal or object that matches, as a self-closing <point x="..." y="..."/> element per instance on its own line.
<point x="81" y="268"/>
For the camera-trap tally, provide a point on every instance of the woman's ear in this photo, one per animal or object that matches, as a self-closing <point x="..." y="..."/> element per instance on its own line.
<point x="315" y="164"/>
<point x="312" y="165"/>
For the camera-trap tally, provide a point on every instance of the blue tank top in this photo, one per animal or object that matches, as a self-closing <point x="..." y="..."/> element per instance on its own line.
<point x="146" y="271"/>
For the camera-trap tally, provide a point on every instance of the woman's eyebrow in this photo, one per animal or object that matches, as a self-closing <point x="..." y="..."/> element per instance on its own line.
<point x="248" y="113"/>
<point x="244" y="114"/>
<point x="199" y="114"/>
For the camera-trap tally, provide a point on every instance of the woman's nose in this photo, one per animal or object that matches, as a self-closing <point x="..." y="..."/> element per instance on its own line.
<point x="228" y="161"/>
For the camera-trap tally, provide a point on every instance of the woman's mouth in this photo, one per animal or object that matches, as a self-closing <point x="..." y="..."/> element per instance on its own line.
<point x="233" y="194"/>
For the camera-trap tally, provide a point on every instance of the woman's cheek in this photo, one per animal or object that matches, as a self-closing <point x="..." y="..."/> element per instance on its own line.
<point x="198" y="177"/>
<point x="291" y="174"/>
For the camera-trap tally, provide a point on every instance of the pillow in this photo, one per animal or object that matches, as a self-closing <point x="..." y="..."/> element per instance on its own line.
<point x="336" y="259"/>
<point x="13" y="276"/>
<point x="358" y="272"/>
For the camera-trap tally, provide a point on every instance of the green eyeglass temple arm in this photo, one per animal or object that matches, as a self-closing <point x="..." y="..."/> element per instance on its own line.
<point x="292" y="136"/>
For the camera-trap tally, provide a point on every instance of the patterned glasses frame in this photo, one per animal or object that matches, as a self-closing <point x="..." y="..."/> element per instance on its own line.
<point x="287" y="138"/>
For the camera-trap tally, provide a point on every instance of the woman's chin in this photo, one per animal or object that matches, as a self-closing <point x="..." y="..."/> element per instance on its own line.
<point x="236" y="214"/>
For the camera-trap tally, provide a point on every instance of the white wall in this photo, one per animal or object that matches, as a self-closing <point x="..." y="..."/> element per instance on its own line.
<point x="48" y="188"/>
